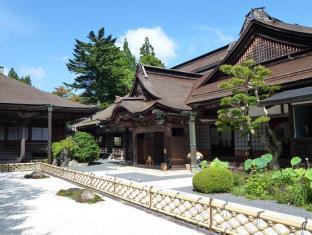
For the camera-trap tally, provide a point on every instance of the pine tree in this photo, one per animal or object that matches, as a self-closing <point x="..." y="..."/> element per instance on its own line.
<point x="100" y="68"/>
<point x="13" y="74"/>
<point x="147" y="55"/>
<point x="247" y="85"/>
<point x="26" y="79"/>
<point x="130" y="59"/>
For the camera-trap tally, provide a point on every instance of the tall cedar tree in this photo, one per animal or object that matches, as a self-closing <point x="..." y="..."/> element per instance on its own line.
<point x="147" y="55"/>
<point x="101" y="69"/>
<point x="248" y="86"/>
<point x="25" y="79"/>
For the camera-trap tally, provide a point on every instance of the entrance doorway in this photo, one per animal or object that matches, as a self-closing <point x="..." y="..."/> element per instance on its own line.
<point x="150" y="144"/>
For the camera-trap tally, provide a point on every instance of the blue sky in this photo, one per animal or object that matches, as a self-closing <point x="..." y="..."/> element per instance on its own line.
<point x="37" y="37"/>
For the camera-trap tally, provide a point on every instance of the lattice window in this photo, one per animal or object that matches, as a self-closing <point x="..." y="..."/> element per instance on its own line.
<point x="39" y="133"/>
<point x="263" y="49"/>
<point x="241" y="142"/>
<point x="203" y="138"/>
<point x="256" y="143"/>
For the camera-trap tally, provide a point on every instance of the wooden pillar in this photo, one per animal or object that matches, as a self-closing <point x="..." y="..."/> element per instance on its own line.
<point x="126" y="143"/>
<point x="50" y="110"/>
<point x="135" y="147"/>
<point x="192" y="134"/>
<point x="23" y="141"/>
<point x="167" y="136"/>
<point x="291" y="129"/>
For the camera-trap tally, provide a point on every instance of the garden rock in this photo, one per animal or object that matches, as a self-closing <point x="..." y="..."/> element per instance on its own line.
<point x="74" y="163"/>
<point x="36" y="175"/>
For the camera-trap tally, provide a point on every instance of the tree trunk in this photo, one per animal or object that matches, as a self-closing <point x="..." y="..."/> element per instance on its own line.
<point x="271" y="142"/>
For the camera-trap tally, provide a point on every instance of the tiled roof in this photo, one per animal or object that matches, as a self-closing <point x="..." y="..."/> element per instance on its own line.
<point x="204" y="62"/>
<point x="13" y="92"/>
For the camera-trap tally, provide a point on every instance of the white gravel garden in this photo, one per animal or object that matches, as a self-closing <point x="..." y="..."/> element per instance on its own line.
<point x="31" y="206"/>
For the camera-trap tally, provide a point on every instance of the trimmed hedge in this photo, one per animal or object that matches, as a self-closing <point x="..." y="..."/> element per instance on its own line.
<point x="213" y="180"/>
<point x="86" y="148"/>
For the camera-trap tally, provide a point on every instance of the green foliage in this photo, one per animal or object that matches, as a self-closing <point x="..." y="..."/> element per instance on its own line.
<point x="217" y="163"/>
<point x="13" y="74"/>
<point x="66" y="144"/>
<point x="246" y="79"/>
<point x="203" y="164"/>
<point x="25" y="79"/>
<point x="258" y="163"/>
<point x="86" y="148"/>
<point x="247" y="85"/>
<point x="102" y="70"/>
<point x="295" y="161"/>
<point x="258" y="185"/>
<point x="147" y="55"/>
<point x="213" y="180"/>
<point x="239" y="178"/>
<point x="67" y="93"/>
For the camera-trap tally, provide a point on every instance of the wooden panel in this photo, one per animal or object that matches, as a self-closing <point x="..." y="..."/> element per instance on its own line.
<point x="140" y="151"/>
<point x="179" y="149"/>
<point x="147" y="149"/>
<point x="158" y="150"/>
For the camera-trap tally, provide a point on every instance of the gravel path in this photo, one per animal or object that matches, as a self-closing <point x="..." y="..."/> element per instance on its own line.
<point x="31" y="207"/>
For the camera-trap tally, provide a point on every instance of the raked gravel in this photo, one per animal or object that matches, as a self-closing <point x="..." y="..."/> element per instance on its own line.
<point x="31" y="207"/>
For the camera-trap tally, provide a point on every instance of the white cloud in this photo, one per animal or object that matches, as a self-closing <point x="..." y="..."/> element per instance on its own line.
<point x="11" y="23"/>
<point x="164" y="46"/>
<point x="6" y="71"/>
<point x="222" y="37"/>
<point x="34" y="72"/>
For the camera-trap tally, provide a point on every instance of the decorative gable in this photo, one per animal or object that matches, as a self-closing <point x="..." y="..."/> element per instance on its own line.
<point x="138" y="91"/>
<point x="263" y="49"/>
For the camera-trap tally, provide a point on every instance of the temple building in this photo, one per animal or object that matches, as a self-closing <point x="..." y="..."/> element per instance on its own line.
<point x="30" y="120"/>
<point x="157" y="118"/>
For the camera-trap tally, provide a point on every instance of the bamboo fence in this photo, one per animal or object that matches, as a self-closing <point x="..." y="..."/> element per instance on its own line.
<point x="213" y="214"/>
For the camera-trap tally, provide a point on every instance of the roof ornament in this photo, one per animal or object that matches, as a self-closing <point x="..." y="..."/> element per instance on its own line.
<point x="257" y="14"/>
<point x="231" y="46"/>
<point x="143" y="70"/>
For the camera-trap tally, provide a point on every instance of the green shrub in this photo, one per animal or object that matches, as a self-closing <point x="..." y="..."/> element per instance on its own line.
<point x="58" y="147"/>
<point x="213" y="180"/>
<point x="258" y="185"/>
<point x="217" y="163"/>
<point x="203" y="164"/>
<point x="295" y="161"/>
<point x="239" y="178"/>
<point x="259" y="163"/>
<point x="86" y="148"/>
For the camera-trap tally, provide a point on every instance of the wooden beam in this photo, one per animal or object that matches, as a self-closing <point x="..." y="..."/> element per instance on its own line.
<point x="50" y="110"/>
<point x="192" y="133"/>
<point x="23" y="139"/>
<point x="135" y="147"/>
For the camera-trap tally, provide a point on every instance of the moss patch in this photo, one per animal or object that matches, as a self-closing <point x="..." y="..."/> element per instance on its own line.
<point x="75" y="194"/>
<point x="36" y="175"/>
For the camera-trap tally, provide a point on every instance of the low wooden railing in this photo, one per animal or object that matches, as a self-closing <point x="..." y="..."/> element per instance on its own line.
<point x="217" y="215"/>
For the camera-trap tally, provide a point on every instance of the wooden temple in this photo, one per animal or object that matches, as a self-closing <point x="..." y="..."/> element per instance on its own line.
<point x="172" y="111"/>
<point x="30" y="120"/>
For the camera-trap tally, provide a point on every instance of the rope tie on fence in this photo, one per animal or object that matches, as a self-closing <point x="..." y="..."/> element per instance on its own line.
<point x="198" y="199"/>
<point x="224" y="205"/>
<point x="304" y="225"/>
<point x="258" y="216"/>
